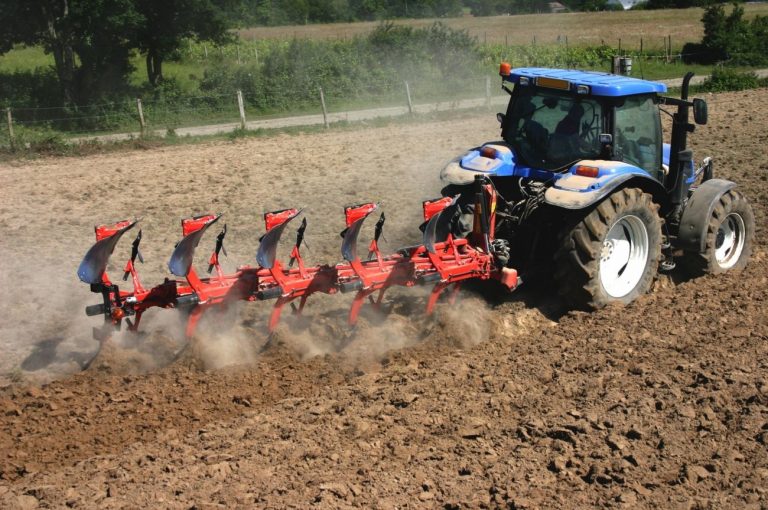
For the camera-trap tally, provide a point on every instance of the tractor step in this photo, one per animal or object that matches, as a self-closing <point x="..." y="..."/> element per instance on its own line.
<point x="667" y="266"/>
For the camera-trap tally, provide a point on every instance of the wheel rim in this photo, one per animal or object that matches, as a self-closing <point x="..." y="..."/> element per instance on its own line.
<point x="624" y="256"/>
<point x="729" y="241"/>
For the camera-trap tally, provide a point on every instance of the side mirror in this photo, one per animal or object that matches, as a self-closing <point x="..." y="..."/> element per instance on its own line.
<point x="700" y="111"/>
<point x="500" y="117"/>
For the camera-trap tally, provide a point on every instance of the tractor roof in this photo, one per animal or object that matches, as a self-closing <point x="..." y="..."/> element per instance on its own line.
<point x="600" y="84"/>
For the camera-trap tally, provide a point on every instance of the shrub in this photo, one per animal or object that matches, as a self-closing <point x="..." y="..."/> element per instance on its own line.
<point x="730" y="38"/>
<point x="724" y="79"/>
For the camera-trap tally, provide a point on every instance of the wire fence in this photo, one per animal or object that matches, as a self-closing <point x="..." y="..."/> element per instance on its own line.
<point x="149" y="116"/>
<point x="145" y="117"/>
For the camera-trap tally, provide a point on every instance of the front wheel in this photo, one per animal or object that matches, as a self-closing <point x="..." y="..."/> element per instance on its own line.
<point x="612" y="254"/>
<point x="728" y="240"/>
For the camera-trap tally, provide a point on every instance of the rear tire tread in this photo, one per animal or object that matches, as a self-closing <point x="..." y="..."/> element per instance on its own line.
<point x="577" y="261"/>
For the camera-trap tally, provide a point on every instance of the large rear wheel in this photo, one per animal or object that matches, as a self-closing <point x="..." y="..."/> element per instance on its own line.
<point x="728" y="240"/>
<point x="612" y="254"/>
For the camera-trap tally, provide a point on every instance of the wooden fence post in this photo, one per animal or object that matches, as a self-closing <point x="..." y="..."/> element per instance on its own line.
<point x="10" y="127"/>
<point x="205" y="50"/>
<point x="325" y="110"/>
<point x="141" y="116"/>
<point x="669" y="48"/>
<point x="241" y="108"/>
<point x="408" y="96"/>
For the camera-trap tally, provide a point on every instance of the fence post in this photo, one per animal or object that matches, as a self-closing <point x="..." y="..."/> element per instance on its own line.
<point x="325" y="110"/>
<point x="408" y="96"/>
<point x="241" y="108"/>
<point x="488" y="92"/>
<point x="205" y="50"/>
<point x="10" y="127"/>
<point x="669" y="48"/>
<point x="141" y="116"/>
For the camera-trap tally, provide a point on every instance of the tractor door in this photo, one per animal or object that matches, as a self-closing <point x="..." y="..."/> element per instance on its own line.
<point x="638" y="139"/>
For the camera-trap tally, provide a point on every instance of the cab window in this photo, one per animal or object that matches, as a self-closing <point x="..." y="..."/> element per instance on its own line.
<point x="638" y="133"/>
<point x="552" y="129"/>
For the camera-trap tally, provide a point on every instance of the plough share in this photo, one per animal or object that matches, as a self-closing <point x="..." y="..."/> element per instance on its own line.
<point x="441" y="260"/>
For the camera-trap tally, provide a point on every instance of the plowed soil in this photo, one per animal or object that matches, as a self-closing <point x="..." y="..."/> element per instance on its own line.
<point x="495" y="402"/>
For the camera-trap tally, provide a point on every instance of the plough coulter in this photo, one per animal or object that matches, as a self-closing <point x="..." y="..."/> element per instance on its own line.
<point x="441" y="260"/>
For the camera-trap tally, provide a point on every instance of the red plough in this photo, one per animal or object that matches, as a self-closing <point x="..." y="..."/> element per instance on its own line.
<point x="441" y="260"/>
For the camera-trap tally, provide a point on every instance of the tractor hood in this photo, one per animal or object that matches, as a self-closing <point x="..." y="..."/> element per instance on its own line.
<point x="492" y="159"/>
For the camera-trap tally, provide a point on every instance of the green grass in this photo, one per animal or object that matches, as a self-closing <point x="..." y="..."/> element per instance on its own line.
<point x="22" y="59"/>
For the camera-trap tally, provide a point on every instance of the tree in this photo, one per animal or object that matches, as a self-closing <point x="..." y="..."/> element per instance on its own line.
<point x="730" y="38"/>
<point x="167" y="23"/>
<point x="90" y="40"/>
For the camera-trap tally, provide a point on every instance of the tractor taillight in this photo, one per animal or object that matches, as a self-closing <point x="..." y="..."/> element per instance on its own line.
<point x="587" y="171"/>
<point x="488" y="152"/>
<point x="505" y="68"/>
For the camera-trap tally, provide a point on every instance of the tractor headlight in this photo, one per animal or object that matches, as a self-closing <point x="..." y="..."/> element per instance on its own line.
<point x="524" y="80"/>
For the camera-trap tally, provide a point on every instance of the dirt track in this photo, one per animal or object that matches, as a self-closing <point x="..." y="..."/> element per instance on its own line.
<point x="507" y="404"/>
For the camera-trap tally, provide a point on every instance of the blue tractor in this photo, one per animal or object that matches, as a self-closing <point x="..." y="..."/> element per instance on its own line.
<point x="593" y="193"/>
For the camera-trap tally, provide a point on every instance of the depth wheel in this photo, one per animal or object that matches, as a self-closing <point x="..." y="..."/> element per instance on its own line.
<point x="728" y="241"/>
<point x="612" y="254"/>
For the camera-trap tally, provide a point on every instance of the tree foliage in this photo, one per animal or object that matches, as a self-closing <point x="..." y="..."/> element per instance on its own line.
<point x="92" y="40"/>
<point x="167" y="23"/>
<point x="728" y="37"/>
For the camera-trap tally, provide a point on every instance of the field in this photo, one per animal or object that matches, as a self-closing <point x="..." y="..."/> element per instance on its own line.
<point x="279" y="70"/>
<point x="581" y="28"/>
<point x="508" y="403"/>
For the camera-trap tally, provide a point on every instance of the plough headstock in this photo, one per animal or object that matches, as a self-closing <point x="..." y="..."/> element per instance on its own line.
<point x="440" y="260"/>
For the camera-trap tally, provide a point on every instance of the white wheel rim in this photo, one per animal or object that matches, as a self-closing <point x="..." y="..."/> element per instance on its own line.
<point x="624" y="256"/>
<point x="729" y="241"/>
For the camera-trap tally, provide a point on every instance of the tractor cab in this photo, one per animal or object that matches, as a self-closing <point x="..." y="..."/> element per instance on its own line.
<point x="557" y="118"/>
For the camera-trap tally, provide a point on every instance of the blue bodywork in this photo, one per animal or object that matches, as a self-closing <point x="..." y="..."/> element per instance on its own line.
<point x="568" y="189"/>
<point x="600" y="84"/>
<point x="503" y="164"/>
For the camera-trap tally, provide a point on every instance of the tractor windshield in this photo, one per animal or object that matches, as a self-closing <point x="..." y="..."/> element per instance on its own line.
<point x="550" y="129"/>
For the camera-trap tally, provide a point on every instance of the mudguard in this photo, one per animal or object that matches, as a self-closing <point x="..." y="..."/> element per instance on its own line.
<point x="95" y="261"/>
<point x="583" y="194"/>
<point x="698" y="210"/>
